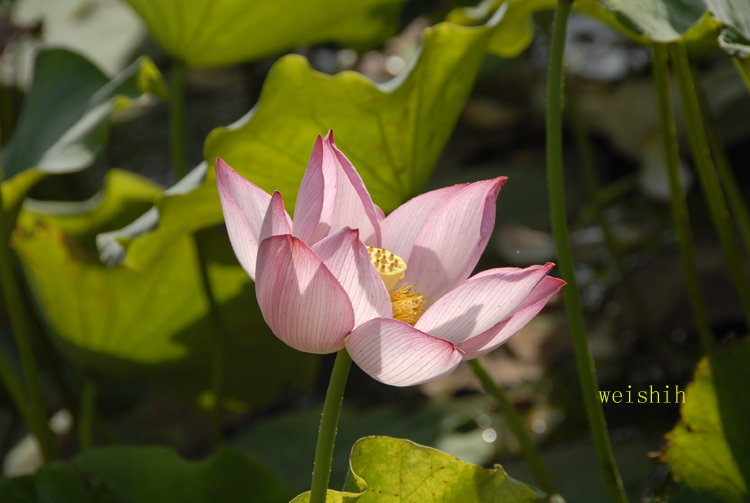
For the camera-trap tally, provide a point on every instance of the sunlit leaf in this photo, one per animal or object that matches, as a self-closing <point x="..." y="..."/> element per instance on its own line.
<point x="148" y="475"/>
<point x="15" y="190"/>
<point x="390" y="469"/>
<point x="709" y="450"/>
<point x="119" y="323"/>
<point x="393" y="133"/>
<point x="63" y="120"/>
<point x="223" y="32"/>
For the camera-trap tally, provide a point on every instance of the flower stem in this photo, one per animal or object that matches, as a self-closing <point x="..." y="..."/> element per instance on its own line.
<point x="86" y="415"/>
<point x="177" y="118"/>
<point x="219" y="353"/>
<point x="558" y="212"/>
<point x="510" y="414"/>
<point x="32" y="405"/>
<point x="328" y="425"/>
<point x="707" y="172"/>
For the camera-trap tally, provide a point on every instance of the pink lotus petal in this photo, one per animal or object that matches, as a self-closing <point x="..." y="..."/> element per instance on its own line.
<point x="400" y="355"/>
<point x="402" y="227"/>
<point x="380" y="213"/>
<point x="347" y="258"/>
<point x="300" y="299"/>
<point x="244" y="206"/>
<point x="480" y="303"/>
<point x="497" y="335"/>
<point x="316" y="200"/>
<point x="354" y="206"/>
<point x="276" y="221"/>
<point x="451" y="241"/>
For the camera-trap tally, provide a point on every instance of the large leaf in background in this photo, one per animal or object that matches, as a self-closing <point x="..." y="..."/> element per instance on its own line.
<point x="119" y="323"/>
<point x="514" y="33"/>
<point x="667" y="20"/>
<point x="393" y="133"/>
<point x="709" y="450"/>
<point x="734" y="13"/>
<point x="735" y="37"/>
<point x="63" y="120"/>
<point x="224" y="32"/>
<point x="390" y="469"/>
<point x="62" y="125"/>
<point x="641" y="21"/>
<point x="148" y="475"/>
<point x="737" y="45"/>
<point x="15" y="190"/>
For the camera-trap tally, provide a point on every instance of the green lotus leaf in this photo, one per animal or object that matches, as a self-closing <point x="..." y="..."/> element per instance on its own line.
<point x="64" y="117"/>
<point x="225" y="32"/>
<point x="14" y="191"/>
<point x="63" y="120"/>
<point x="123" y="324"/>
<point x="709" y="450"/>
<point x="148" y="475"/>
<point x="739" y="47"/>
<point x="732" y="13"/>
<point x="735" y="44"/>
<point x="54" y="482"/>
<point x="394" y="133"/>
<point x="391" y="469"/>
<point x="515" y="31"/>
<point x="666" y="20"/>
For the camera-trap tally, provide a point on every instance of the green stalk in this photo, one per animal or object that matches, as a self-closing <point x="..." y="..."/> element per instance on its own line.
<point x="743" y="68"/>
<point x="328" y="425"/>
<point x="679" y="204"/>
<point x="219" y="357"/>
<point x="177" y="118"/>
<point x="510" y="414"/>
<point x="86" y="415"/>
<point x="13" y="385"/>
<point x="585" y="151"/>
<point x="34" y="410"/>
<point x="707" y="172"/>
<point x="724" y="169"/>
<point x="558" y="212"/>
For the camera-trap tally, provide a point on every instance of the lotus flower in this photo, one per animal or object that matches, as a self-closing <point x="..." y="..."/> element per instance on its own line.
<point x="394" y="290"/>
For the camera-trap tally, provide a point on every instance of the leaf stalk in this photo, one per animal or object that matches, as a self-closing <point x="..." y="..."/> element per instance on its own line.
<point x="31" y="403"/>
<point x="558" y="213"/>
<point x="514" y="421"/>
<point x="704" y="164"/>
<point x="680" y="214"/>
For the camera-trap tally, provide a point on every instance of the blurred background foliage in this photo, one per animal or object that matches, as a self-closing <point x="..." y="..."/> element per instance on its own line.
<point x="421" y="94"/>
